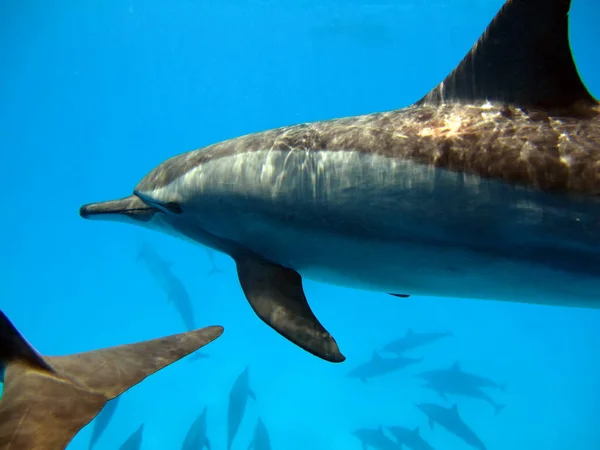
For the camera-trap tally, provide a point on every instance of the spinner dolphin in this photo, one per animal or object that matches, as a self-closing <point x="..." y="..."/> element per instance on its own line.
<point x="488" y="187"/>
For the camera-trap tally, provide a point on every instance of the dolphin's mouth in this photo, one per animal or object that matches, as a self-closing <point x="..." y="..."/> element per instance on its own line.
<point x="131" y="207"/>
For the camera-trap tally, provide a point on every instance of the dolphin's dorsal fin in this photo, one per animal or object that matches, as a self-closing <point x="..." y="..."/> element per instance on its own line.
<point x="416" y="431"/>
<point x="455" y="409"/>
<point x="523" y="58"/>
<point x="375" y="356"/>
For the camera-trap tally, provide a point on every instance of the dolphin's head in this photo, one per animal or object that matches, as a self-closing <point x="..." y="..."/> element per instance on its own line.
<point x="161" y="201"/>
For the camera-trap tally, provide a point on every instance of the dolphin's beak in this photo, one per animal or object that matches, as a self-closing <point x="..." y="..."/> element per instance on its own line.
<point x="131" y="207"/>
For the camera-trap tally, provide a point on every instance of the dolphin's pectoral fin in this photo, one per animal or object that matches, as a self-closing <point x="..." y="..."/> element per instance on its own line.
<point x="276" y="296"/>
<point x="400" y="295"/>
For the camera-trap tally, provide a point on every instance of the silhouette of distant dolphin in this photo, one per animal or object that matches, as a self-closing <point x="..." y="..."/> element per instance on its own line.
<point x="134" y="442"/>
<point x="238" y="399"/>
<point x="48" y="399"/>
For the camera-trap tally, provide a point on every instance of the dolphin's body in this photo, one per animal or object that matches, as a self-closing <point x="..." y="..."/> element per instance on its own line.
<point x="48" y="399"/>
<point x="378" y="366"/>
<point x="412" y="340"/>
<point x="457" y="374"/>
<point x="260" y="440"/>
<point x="450" y="419"/>
<point x="196" y="438"/>
<point x="463" y="388"/>
<point x="238" y="399"/>
<point x="488" y="187"/>
<point x="169" y="283"/>
<point x="102" y="420"/>
<point x="375" y="439"/>
<point x="134" y="441"/>
<point x="411" y="439"/>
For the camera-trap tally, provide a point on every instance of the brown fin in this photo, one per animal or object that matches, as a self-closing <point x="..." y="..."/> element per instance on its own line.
<point x="523" y="58"/>
<point x="276" y="296"/>
<point x="47" y="400"/>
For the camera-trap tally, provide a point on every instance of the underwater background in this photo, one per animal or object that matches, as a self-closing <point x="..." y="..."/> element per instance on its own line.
<point x="94" y="94"/>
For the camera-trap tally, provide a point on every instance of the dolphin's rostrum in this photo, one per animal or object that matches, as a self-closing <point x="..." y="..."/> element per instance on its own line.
<point x="485" y="188"/>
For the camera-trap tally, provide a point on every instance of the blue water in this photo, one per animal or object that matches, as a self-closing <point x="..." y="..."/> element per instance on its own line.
<point x="95" y="93"/>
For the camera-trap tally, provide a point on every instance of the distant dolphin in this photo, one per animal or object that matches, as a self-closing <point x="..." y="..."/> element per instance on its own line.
<point x="169" y="283"/>
<point x="410" y="438"/>
<point x="455" y="371"/>
<point x="487" y="187"/>
<point x="457" y="386"/>
<point x="375" y="438"/>
<point x="412" y="340"/>
<point x="48" y="399"/>
<point x="260" y="440"/>
<point x="102" y="420"/>
<point x="378" y="366"/>
<point x="134" y="442"/>
<point x="450" y="419"/>
<point x="196" y="438"/>
<point x="238" y="399"/>
<point x="213" y="265"/>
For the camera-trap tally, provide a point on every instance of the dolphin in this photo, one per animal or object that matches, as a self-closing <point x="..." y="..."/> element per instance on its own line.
<point x="410" y="438"/>
<point x="169" y="283"/>
<point x="238" y="399"/>
<point x="213" y="265"/>
<point x="48" y="399"/>
<point x="456" y="372"/>
<point x="450" y="419"/>
<point x="102" y="420"/>
<point x="134" y="442"/>
<point x="457" y="386"/>
<point x="378" y="366"/>
<point x="485" y="188"/>
<point x="375" y="438"/>
<point x="196" y="438"/>
<point x="261" y="440"/>
<point x="413" y="340"/>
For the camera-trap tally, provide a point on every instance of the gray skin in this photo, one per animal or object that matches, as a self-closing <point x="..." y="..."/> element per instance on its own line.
<point x="457" y="386"/>
<point x="455" y="372"/>
<point x="378" y="366"/>
<point x="412" y="439"/>
<point x="196" y="438"/>
<point x="48" y="399"/>
<point x="450" y="419"/>
<point x="172" y="286"/>
<point x="134" y="442"/>
<point x="261" y="440"/>
<point x="375" y="439"/>
<point x="485" y="188"/>
<point x="102" y="420"/>
<point x="412" y="340"/>
<point x="238" y="399"/>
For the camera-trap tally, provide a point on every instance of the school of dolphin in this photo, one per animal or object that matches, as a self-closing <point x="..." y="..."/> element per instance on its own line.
<point x="486" y="188"/>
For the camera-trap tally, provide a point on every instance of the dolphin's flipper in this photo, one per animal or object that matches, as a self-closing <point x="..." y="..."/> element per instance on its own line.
<point x="400" y="295"/>
<point x="276" y="296"/>
<point x="134" y="442"/>
<point x="522" y="58"/>
<point x="48" y="399"/>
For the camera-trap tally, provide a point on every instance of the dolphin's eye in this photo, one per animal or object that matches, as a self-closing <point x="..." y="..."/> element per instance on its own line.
<point x="172" y="207"/>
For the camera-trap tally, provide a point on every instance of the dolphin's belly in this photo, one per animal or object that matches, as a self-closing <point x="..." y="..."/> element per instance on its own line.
<point x="376" y="222"/>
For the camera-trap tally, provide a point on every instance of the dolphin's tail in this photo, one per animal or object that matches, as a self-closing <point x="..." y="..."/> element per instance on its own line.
<point x="48" y="399"/>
